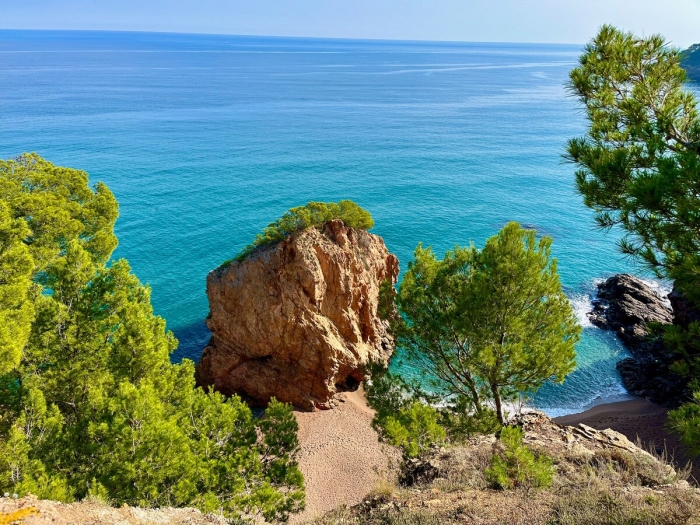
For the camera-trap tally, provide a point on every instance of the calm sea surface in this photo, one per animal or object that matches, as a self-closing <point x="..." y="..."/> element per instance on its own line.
<point x="206" y="139"/>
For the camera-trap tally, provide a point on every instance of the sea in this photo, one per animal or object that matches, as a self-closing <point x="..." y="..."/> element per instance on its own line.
<point x="206" y="139"/>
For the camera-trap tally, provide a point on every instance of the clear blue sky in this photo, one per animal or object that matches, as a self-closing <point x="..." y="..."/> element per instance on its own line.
<point x="573" y="21"/>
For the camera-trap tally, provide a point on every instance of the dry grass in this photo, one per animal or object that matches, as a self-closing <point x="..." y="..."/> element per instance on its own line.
<point x="384" y="490"/>
<point x="604" y="506"/>
<point x="466" y="470"/>
<point x="593" y="485"/>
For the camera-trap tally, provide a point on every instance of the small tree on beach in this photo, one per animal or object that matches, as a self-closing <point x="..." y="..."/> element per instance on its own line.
<point x="489" y="325"/>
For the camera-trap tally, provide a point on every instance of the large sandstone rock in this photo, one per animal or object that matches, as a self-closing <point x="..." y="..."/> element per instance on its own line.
<point x="298" y="320"/>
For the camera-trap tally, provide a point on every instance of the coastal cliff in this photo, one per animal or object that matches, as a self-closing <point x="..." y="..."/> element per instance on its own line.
<point x="299" y="320"/>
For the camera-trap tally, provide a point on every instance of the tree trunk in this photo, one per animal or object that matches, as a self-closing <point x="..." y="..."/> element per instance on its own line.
<point x="475" y="395"/>
<point x="499" y="404"/>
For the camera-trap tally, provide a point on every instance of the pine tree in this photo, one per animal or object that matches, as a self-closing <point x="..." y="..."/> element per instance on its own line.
<point x="492" y="324"/>
<point x="91" y="405"/>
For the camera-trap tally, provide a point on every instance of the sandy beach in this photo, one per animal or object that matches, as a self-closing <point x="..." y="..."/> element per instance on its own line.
<point x="341" y="456"/>
<point x="343" y="461"/>
<point x="636" y="418"/>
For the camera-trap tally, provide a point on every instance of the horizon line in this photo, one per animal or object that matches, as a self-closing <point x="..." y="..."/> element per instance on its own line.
<point x="196" y="33"/>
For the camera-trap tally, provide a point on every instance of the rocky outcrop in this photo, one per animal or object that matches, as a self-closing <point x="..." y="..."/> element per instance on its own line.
<point x="683" y="311"/>
<point x="628" y="306"/>
<point x="540" y="432"/>
<point x="298" y="320"/>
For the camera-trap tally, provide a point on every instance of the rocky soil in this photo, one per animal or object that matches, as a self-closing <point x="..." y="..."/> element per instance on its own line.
<point x="298" y="320"/>
<point x="30" y="511"/>
<point x="601" y="478"/>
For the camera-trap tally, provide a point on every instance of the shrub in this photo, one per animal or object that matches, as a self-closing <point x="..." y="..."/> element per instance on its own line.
<point x="413" y="429"/>
<point x="686" y="422"/>
<point x="411" y="418"/>
<point x="516" y="465"/>
<point x="302" y="217"/>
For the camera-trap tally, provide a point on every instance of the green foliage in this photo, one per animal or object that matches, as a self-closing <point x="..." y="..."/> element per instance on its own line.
<point x="684" y="342"/>
<point x="43" y="209"/>
<point x="462" y="422"/>
<point x="303" y="217"/>
<point x="413" y="429"/>
<point x="515" y="465"/>
<point x="412" y="419"/>
<point x="16" y="308"/>
<point x="640" y="161"/>
<point x="403" y="416"/>
<point x="639" y="166"/>
<point x="491" y="324"/>
<point x="91" y="405"/>
<point x="686" y="422"/>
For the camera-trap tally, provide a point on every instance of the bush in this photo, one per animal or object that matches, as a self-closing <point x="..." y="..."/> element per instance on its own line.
<point x="413" y="429"/>
<point x="302" y="217"/>
<point x="516" y="465"/>
<point x="411" y="418"/>
<point x="686" y="422"/>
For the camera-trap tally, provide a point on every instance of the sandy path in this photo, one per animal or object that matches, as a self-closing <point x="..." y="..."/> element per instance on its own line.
<point x="341" y="456"/>
<point x="635" y="418"/>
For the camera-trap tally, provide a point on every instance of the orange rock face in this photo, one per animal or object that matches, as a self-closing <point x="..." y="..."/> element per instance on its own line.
<point x="298" y="320"/>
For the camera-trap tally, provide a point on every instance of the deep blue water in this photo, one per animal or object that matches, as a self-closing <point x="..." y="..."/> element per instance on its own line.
<point x="206" y="139"/>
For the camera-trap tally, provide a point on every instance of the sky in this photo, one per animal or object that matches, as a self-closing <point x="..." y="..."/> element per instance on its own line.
<point x="557" y="21"/>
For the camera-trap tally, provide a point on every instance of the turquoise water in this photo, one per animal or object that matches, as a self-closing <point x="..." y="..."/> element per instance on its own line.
<point x="206" y="139"/>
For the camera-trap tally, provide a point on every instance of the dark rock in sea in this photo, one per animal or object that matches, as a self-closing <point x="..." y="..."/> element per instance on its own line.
<point x="628" y="306"/>
<point x="650" y="377"/>
<point x="683" y="312"/>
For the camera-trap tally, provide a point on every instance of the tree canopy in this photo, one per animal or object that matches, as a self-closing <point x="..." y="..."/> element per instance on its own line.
<point x="489" y="325"/>
<point x="311" y="214"/>
<point x="639" y="169"/>
<point x="639" y="164"/>
<point x="90" y="404"/>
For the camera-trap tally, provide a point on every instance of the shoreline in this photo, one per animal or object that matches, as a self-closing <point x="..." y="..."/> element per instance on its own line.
<point x="637" y="419"/>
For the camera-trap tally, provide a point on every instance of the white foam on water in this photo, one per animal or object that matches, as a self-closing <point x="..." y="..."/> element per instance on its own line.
<point x="662" y="287"/>
<point x="581" y="303"/>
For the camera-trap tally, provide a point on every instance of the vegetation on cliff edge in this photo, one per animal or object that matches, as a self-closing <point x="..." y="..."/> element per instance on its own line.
<point x="690" y="61"/>
<point x="90" y="405"/>
<point x="302" y="217"/>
